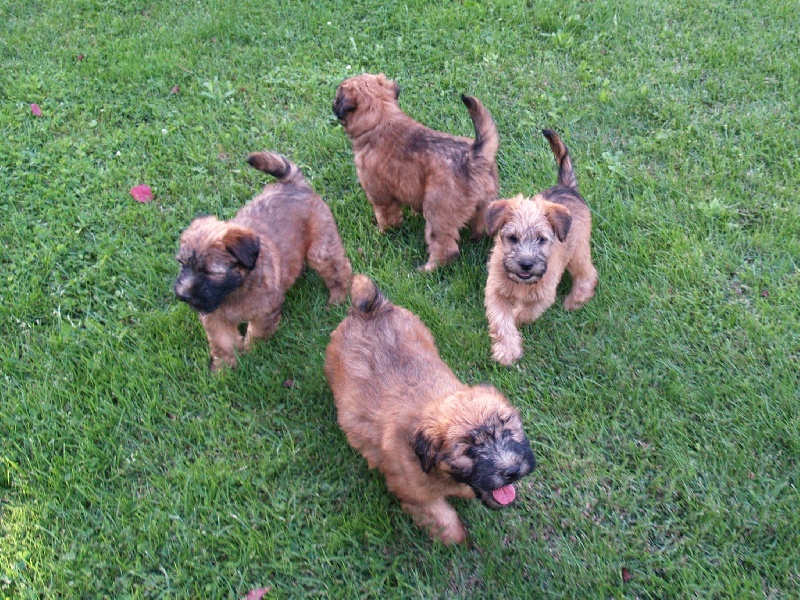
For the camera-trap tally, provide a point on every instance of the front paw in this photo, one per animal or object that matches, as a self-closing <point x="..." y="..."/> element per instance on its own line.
<point x="506" y="353"/>
<point x="217" y="364"/>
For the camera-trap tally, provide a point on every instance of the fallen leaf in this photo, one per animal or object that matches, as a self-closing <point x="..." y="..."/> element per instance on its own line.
<point x="175" y="89"/>
<point x="258" y="593"/>
<point x="765" y="294"/>
<point x="80" y="57"/>
<point x="626" y="575"/>
<point x="142" y="193"/>
<point x="288" y="383"/>
<point x="37" y="112"/>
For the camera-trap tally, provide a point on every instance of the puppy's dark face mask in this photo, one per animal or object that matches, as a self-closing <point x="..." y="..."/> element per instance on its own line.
<point x="489" y="458"/>
<point x="210" y="274"/>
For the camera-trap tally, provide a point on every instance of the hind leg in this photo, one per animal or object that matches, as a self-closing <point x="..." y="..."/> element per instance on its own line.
<point x="444" y="218"/>
<point x="584" y="278"/>
<point x="442" y="245"/>
<point x="327" y="257"/>
<point x="477" y="223"/>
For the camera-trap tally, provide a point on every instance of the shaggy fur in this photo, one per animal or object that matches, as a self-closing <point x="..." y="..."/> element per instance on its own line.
<point x="448" y="179"/>
<point x="239" y="270"/>
<point x="535" y="240"/>
<point x="404" y="410"/>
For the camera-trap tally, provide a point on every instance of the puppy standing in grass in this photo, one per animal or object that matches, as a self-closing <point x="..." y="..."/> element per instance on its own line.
<point x="449" y="179"/>
<point x="429" y="434"/>
<point x="239" y="270"/>
<point x="535" y="240"/>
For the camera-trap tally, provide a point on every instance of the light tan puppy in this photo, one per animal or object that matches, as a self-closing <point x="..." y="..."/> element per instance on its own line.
<point x="535" y="240"/>
<point x="239" y="270"/>
<point x="404" y="410"/>
<point x="448" y="179"/>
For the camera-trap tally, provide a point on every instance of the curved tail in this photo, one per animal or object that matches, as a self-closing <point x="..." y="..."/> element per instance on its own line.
<point x="487" y="140"/>
<point x="279" y="167"/>
<point x="366" y="299"/>
<point x="566" y="174"/>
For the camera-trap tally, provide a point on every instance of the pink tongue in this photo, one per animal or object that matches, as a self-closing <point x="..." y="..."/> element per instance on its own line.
<point x="504" y="495"/>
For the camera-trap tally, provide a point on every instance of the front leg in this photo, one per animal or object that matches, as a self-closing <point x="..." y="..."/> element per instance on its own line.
<point x="266" y="324"/>
<point x="224" y="340"/>
<point x="387" y="214"/>
<point x="439" y="519"/>
<point x="506" y="338"/>
<point x="261" y="329"/>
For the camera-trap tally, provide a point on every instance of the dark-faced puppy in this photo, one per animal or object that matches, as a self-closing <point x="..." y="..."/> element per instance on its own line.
<point x="449" y="179"/>
<point x="404" y="410"/>
<point x="239" y="270"/>
<point x="535" y="240"/>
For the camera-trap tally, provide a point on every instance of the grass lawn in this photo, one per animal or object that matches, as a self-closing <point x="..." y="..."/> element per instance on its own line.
<point x="665" y="415"/>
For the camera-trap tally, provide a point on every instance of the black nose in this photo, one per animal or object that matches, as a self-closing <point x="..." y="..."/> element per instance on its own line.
<point x="526" y="266"/>
<point x="511" y="473"/>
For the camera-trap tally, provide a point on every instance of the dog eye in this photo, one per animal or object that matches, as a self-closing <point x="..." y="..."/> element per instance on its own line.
<point x="541" y="240"/>
<point x="513" y="239"/>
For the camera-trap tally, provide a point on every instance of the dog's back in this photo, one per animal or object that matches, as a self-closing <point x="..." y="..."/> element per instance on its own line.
<point x="381" y="361"/>
<point x="298" y="222"/>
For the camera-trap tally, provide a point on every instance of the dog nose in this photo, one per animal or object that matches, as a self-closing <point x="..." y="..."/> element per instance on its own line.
<point x="511" y="473"/>
<point x="526" y="265"/>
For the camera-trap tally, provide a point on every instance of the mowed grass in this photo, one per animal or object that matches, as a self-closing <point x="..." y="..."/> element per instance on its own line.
<point x="665" y="414"/>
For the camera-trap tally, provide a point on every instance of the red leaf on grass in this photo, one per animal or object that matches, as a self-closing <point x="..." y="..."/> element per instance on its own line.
<point x="80" y="57"/>
<point x="175" y="90"/>
<point x="626" y="575"/>
<point x="142" y="193"/>
<point x="257" y="594"/>
<point x="37" y="112"/>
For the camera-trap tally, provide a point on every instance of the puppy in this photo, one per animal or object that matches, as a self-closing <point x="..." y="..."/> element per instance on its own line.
<point x="239" y="270"/>
<point x="535" y="240"/>
<point x="404" y="410"/>
<point x="449" y="179"/>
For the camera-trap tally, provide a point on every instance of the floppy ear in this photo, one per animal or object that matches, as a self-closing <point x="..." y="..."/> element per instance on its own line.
<point x="425" y="450"/>
<point x="560" y="218"/>
<point x="495" y="216"/>
<point x="342" y="104"/>
<point x="243" y="244"/>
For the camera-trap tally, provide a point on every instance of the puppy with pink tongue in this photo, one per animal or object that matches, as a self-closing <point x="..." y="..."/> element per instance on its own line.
<point x="504" y="495"/>
<point x="401" y="406"/>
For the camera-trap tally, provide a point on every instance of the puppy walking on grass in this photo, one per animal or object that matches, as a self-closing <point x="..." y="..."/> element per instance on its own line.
<point x="404" y="410"/>
<point x="535" y="240"/>
<point x="448" y="179"/>
<point x="239" y="270"/>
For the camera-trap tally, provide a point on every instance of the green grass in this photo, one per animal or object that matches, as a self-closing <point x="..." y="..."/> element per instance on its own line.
<point x="665" y="414"/>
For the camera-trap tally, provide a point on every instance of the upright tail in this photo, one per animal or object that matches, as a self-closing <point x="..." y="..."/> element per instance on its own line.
<point x="486" y="138"/>
<point x="279" y="167"/>
<point x="566" y="174"/>
<point x="366" y="299"/>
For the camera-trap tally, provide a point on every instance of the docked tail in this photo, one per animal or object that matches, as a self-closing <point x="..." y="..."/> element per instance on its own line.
<point x="566" y="174"/>
<point x="486" y="138"/>
<point x="366" y="299"/>
<point x="279" y="167"/>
